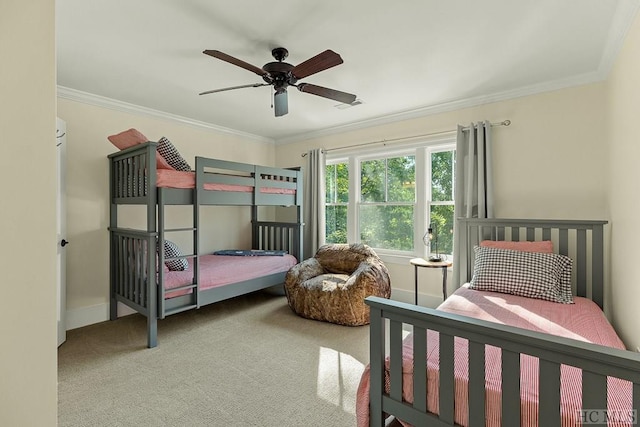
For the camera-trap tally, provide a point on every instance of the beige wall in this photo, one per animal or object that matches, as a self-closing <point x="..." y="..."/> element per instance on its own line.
<point x="87" y="196"/>
<point x="623" y="186"/>
<point x="28" y="359"/>
<point x="548" y="164"/>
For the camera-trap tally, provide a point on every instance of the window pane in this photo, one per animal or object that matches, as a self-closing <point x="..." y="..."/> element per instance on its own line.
<point x="336" y="224"/>
<point x="401" y="174"/>
<point x="372" y="181"/>
<point x="442" y="224"/>
<point x="442" y="176"/>
<point x="387" y="227"/>
<point x="330" y="183"/>
<point x="342" y="180"/>
<point x="337" y="183"/>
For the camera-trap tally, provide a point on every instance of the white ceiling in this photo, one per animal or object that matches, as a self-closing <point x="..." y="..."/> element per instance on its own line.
<point x="402" y="59"/>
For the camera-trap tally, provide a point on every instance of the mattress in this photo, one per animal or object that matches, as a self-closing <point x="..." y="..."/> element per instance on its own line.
<point x="179" y="179"/>
<point x="221" y="270"/>
<point x="582" y="321"/>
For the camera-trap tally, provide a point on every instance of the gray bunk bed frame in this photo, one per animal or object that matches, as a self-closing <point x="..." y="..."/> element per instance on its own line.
<point x="133" y="255"/>
<point x="583" y="241"/>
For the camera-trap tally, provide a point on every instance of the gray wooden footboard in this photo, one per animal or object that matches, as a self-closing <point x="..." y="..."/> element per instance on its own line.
<point x="583" y="242"/>
<point x="597" y="362"/>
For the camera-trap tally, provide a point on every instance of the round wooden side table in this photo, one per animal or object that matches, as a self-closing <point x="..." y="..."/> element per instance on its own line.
<point x="423" y="263"/>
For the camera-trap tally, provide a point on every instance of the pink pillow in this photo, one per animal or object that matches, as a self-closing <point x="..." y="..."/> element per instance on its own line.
<point x="132" y="137"/>
<point x="545" y="246"/>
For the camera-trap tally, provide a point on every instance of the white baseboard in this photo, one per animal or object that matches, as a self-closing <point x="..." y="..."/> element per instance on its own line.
<point x="85" y="316"/>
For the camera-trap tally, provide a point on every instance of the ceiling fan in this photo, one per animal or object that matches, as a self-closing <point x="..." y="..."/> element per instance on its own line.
<point x="281" y="75"/>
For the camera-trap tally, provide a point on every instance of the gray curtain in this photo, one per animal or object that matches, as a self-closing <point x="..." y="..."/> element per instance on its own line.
<point x="474" y="182"/>
<point x="314" y="196"/>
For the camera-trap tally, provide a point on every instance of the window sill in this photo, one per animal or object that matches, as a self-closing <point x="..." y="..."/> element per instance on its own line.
<point x="395" y="259"/>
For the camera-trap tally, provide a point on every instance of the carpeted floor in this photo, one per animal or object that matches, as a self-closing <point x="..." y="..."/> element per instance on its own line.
<point x="249" y="361"/>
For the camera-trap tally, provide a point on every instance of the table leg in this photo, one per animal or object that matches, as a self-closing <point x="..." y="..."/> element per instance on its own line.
<point x="444" y="282"/>
<point x="415" y="276"/>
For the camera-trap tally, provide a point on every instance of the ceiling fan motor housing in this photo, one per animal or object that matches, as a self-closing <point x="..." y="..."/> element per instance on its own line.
<point x="279" y="73"/>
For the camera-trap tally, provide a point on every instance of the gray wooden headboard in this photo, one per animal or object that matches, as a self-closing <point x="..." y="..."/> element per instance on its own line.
<point x="582" y="240"/>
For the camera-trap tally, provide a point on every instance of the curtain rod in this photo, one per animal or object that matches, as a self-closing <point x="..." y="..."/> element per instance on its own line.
<point x="384" y="141"/>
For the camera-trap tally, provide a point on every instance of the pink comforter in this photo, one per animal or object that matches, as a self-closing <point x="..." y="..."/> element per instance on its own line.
<point x="582" y="321"/>
<point x="219" y="270"/>
<point x="169" y="178"/>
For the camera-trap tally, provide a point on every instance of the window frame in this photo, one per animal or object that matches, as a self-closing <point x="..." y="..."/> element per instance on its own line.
<point x="422" y="151"/>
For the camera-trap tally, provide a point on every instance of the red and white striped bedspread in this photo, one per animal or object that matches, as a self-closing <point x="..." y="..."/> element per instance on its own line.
<point x="168" y="178"/>
<point x="581" y="321"/>
<point x="220" y="270"/>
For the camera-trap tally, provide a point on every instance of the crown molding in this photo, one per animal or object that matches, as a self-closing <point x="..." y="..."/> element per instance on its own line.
<point x="113" y="104"/>
<point x="621" y="23"/>
<point x="447" y="107"/>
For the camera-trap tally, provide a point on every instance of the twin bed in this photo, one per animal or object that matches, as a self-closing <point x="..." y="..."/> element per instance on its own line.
<point x="499" y="359"/>
<point x="139" y="276"/>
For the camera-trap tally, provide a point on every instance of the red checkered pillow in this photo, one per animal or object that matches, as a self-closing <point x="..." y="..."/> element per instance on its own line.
<point x="528" y="274"/>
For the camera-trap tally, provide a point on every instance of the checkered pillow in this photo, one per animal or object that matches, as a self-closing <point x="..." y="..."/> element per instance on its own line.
<point x="170" y="153"/>
<point x="171" y="250"/>
<point x="528" y="274"/>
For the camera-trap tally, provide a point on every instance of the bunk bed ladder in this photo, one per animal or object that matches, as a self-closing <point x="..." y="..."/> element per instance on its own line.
<point x="162" y="230"/>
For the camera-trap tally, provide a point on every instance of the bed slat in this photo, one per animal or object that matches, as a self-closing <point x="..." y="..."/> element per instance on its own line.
<point x="531" y="234"/>
<point x="563" y="244"/>
<point x="549" y="394"/>
<point x="515" y="233"/>
<point x="597" y="272"/>
<point x="395" y="370"/>
<point x="510" y="388"/>
<point x="594" y="390"/>
<point x="376" y="358"/>
<point x="636" y="396"/>
<point x="581" y="263"/>
<point x="476" y="384"/>
<point x="447" y="391"/>
<point x="419" y="368"/>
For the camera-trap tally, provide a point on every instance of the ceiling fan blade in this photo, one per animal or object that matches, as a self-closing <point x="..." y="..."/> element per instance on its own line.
<point x="320" y="62"/>
<point x="280" y="103"/>
<point x="325" y="92"/>
<point x="233" y="87"/>
<point x="235" y="61"/>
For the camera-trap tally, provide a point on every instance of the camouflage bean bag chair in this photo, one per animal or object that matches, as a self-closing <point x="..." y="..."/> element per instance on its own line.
<point x="333" y="284"/>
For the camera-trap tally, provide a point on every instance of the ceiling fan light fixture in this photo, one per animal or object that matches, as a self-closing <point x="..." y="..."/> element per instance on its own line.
<point x="281" y="103"/>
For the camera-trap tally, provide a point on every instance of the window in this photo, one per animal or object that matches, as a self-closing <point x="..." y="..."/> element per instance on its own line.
<point x="392" y="199"/>
<point x="387" y="202"/>
<point x="441" y="201"/>
<point x="337" y="196"/>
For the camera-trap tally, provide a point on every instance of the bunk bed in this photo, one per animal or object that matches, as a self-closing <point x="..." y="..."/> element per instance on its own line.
<point x="495" y="359"/>
<point x="139" y="277"/>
